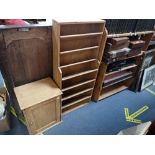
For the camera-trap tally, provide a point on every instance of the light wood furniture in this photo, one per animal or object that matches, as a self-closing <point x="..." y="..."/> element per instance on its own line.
<point x="100" y="91"/>
<point x="77" y="53"/>
<point x="40" y="102"/>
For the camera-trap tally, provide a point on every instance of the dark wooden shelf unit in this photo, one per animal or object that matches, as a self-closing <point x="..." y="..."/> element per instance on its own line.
<point x="101" y="91"/>
<point x="77" y="53"/>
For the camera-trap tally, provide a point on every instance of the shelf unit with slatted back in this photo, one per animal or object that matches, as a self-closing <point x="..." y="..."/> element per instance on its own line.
<point x="101" y="91"/>
<point x="77" y="53"/>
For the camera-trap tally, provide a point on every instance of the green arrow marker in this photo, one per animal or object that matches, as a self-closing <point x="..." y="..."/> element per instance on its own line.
<point x="131" y="118"/>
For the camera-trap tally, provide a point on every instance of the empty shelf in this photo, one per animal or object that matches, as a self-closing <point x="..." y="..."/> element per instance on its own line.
<point x="78" y="74"/>
<point x="80" y="35"/>
<point x="118" y="81"/>
<point x="77" y="85"/>
<point x="75" y="68"/>
<point x="114" y="90"/>
<point x="78" y="56"/>
<point x="78" y="93"/>
<point x="75" y="102"/>
<point x="77" y="63"/>
<point x="80" y="49"/>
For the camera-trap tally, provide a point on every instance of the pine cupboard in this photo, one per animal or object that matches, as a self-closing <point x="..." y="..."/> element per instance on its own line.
<point x="40" y="102"/>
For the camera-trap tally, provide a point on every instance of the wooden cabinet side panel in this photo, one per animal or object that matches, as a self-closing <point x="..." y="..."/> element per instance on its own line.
<point x="99" y="82"/>
<point x="56" y="53"/>
<point x="58" y="108"/>
<point x="102" y="44"/>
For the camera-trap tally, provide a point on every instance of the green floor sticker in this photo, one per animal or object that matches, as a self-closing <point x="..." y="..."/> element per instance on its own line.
<point x="20" y="118"/>
<point x="132" y="117"/>
<point x="150" y="91"/>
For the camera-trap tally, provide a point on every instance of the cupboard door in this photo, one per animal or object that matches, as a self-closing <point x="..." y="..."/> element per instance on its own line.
<point x="42" y="116"/>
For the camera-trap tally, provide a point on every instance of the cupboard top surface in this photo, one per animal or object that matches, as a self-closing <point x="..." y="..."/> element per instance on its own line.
<point x="36" y="92"/>
<point x="4" y="27"/>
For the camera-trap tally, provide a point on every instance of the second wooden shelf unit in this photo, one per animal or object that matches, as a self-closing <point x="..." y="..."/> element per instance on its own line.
<point x="77" y="53"/>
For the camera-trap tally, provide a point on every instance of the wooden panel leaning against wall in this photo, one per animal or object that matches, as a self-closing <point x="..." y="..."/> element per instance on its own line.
<point x="25" y="56"/>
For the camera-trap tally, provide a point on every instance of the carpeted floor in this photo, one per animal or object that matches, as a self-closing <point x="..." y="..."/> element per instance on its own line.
<point x="105" y="117"/>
